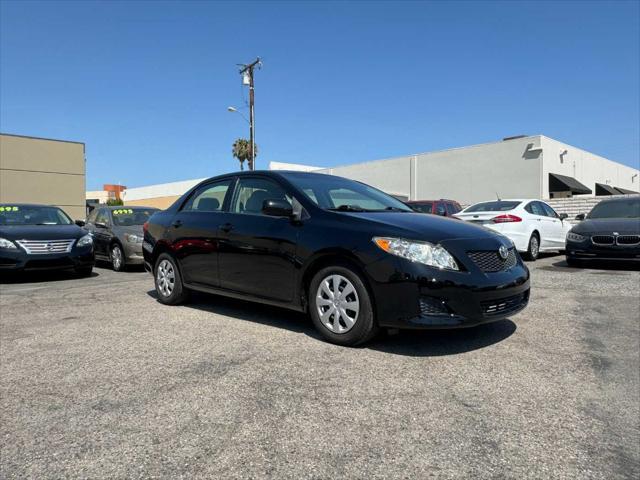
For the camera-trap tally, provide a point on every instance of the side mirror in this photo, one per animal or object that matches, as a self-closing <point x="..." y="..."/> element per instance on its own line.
<point x="100" y="225"/>
<point x="277" y="208"/>
<point x="563" y="216"/>
<point x="580" y="216"/>
<point x="80" y="223"/>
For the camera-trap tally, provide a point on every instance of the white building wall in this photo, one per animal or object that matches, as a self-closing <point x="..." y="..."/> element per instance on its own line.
<point x="160" y="190"/>
<point x="586" y="167"/>
<point x="468" y="175"/>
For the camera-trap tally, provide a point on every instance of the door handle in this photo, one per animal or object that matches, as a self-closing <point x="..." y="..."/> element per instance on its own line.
<point x="177" y="223"/>
<point x="226" y="227"/>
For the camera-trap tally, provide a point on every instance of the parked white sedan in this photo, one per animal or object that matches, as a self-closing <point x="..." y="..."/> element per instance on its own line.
<point x="532" y="225"/>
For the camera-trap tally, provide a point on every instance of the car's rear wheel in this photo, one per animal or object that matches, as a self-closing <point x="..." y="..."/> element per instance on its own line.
<point x="340" y="306"/>
<point x="117" y="258"/>
<point x="534" y="248"/>
<point x="168" y="281"/>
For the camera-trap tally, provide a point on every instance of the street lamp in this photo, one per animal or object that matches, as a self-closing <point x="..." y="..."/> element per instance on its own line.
<point x="235" y="110"/>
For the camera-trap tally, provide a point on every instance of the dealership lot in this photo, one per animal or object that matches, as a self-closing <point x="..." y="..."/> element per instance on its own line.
<point x="100" y="380"/>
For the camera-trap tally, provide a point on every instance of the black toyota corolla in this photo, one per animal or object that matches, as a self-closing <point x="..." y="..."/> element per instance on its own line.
<point x="42" y="237"/>
<point x="353" y="257"/>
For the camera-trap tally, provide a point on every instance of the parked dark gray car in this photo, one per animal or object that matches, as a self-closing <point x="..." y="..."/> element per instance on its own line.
<point x="117" y="234"/>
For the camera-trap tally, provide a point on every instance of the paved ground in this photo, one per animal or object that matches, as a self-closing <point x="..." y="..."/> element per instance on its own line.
<point x="100" y="380"/>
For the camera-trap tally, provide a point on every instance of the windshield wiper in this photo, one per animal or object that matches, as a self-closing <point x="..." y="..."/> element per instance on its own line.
<point x="348" y="208"/>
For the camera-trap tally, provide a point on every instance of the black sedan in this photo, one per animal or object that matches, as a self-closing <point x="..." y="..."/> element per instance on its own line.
<point x="353" y="257"/>
<point x="610" y="232"/>
<point x="42" y="237"/>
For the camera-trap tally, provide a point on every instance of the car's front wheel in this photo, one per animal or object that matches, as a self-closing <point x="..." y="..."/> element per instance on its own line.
<point x="117" y="258"/>
<point x="340" y="306"/>
<point x="168" y="281"/>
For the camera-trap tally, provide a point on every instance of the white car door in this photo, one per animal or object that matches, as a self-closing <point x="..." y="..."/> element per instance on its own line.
<point x="557" y="230"/>
<point x="540" y="222"/>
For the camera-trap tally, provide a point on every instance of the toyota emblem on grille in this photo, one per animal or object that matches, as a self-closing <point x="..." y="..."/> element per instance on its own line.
<point x="503" y="252"/>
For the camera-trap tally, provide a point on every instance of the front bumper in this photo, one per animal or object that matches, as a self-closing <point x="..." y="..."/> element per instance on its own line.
<point x="588" y="251"/>
<point x="133" y="253"/>
<point x="412" y="295"/>
<point x="19" y="260"/>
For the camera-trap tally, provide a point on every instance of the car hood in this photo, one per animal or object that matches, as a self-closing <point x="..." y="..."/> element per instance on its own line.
<point x="418" y="226"/>
<point x="626" y="225"/>
<point x="41" y="232"/>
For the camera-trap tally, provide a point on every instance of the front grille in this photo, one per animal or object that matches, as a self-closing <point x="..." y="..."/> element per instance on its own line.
<point x="491" y="261"/>
<point x="628" y="239"/>
<point x="43" y="247"/>
<point x="432" y="306"/>
<point x="602" y="240"/>
<point x="504" y="306"/>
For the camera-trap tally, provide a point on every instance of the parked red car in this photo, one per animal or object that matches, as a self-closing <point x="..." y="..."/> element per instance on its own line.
<point x="442" y="207"/>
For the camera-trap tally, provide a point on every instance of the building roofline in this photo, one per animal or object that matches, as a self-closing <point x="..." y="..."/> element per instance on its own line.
<point x="452" y="149"/>
<point x="41" y="138"/>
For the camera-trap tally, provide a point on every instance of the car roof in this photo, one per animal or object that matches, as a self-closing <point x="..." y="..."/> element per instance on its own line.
<point x="620" y="199"/>
<point x="21" y="204"/>
<point x="436" y="200"/>
<point x="120" y="207"/>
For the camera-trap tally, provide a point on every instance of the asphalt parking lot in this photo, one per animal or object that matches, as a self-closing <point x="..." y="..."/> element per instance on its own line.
<point x="99" y="380"/>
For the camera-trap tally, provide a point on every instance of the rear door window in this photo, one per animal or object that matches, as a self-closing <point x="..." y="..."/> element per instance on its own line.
<point x="441" y="209"/>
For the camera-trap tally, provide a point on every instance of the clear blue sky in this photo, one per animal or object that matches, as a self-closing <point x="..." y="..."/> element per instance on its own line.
<point x="146" y="85"/>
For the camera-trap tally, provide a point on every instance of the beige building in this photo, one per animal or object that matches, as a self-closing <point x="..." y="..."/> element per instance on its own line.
<point x="41" y="170"/>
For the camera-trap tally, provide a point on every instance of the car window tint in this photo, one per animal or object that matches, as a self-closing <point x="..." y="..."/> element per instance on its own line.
<point x="549" y="211"/>
<point x="103" y="216"/>
<point x="440" y="209"/>
<point x="422" y="207"/>
<point x="252" y="192"/>
<point x="208" y="198"/>
<point x="495" y="206"/>
<point x="311" y="194"/>
<point x="451" y="209"/>
<point x="346" y="196"/>
<point x="92" y="216"/>
<point x="538" y="209"/>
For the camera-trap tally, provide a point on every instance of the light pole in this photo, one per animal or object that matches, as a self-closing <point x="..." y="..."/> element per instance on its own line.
<point x="247" y="74"/>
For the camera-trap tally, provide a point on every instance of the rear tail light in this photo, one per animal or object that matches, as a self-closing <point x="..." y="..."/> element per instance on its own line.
<point x="506" y="219"/>
<point x="145" y="226"/>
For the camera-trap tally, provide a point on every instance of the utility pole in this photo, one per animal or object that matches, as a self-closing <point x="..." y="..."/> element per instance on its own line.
<point x="247" y="78"/>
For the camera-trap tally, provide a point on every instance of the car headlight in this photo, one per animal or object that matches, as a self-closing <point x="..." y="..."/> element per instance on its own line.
<point x="4" y="243"/>
<point x="84" y="241"/>
<point x="129" y="237"/>
<point x="420" y="252"/>
<point x="575" y="237"/>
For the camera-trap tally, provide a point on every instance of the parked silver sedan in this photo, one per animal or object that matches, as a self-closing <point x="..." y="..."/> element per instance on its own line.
<point x="117" y="234"/>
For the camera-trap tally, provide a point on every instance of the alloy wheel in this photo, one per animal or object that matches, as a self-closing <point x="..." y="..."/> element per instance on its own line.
<point x="116" y="257"/>
<point x="165" y="278"/>
<point x="534" y="247"/>
<point x="337" y="303"/>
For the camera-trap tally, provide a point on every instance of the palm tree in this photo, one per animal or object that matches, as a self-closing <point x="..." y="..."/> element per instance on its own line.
<point x="242" y="151"/>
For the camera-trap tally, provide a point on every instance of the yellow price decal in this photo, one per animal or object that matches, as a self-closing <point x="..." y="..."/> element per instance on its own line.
<point x="122" y="211"/>
<point x="9" y="209"/>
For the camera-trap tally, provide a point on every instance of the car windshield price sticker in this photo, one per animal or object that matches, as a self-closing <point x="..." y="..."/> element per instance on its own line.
<point x="8" y="209"/>
<point x="123" y="211"/>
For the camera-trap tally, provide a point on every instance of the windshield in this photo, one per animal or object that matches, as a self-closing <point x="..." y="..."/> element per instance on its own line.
<point x="336" y="193"/>
<point x="617" y="209"/>
<point x="32" y="215"/>
<point x="497" y="206"/>
<point x="125" y="217"/>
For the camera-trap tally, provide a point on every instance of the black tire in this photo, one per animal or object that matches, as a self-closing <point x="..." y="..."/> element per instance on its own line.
<point x="364" y="327"/>
<point x="177" y="293"/>
<point x="84" y="271"/>
<point x="533" y="250"/>
<point x="116" y="255"/>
